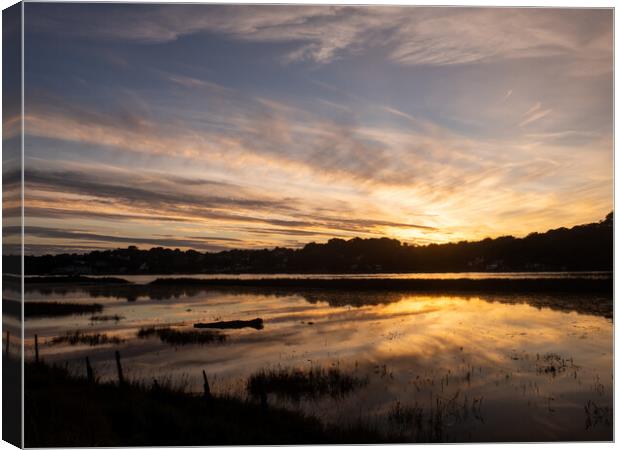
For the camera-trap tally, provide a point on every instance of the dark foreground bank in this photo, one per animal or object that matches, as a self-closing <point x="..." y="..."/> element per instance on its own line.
<point x="67" y="411"/>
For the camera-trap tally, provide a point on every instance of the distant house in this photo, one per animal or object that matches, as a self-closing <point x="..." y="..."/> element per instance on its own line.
<point x="495" y="265"/>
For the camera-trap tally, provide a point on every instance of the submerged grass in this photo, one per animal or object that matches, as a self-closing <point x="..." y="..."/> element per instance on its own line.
<point x="104" y="318"/>
<point x="297" y="383"/>
<point x="174" y="336"/>
<point x="79" y="337"/>
<point x="433" y="422"/>
<point x="597" y="415"/>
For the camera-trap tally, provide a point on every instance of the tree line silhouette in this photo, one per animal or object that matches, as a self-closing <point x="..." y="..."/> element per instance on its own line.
<point x="583" y="247"/>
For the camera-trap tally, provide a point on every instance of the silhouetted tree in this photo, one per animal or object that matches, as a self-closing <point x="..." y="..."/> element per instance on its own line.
<point x="583" y="247"/>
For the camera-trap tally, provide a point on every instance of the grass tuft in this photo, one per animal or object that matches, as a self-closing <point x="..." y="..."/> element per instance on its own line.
<point x="174" y="336"/>
<point x="297" y="383"/>
<point x="79" y="337"/>
<point x="104" y="318"/>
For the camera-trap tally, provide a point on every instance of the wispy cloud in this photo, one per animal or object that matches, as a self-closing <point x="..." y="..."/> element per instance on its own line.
<point x="63" y="237"/>
<point x="416" y="35"/>
<point x="398" y="113"/>
<point x="276" y="125"/>
<point x="115" y="197"/>
<point x="193" y="83"/>
<point x="534" y="114"/>
<point x="425" y="167"/>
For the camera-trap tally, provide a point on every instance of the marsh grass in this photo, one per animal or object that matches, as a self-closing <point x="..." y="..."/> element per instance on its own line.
<point x="554" y="364"/>
<point x="430" y="424"/>
<point x="174" y="336"/>
<point x="596" y="415"/>
<point x="79" y="337"/>
<point x="69" y="411"/>
<point x="299" y="383"/>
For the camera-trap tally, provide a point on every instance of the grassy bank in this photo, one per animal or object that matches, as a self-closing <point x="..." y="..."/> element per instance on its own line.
<point x="63" y="410"/>
<point x="11" y="400"/>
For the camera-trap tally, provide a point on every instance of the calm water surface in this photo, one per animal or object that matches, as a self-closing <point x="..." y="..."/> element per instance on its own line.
<point x="498" y="367"/>
<point x="406" y="276"/>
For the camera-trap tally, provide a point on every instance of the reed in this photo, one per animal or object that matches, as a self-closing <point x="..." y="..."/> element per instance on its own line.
<point x="299" y="383"/>
<point x="175" y="336"/>
<point x="80" y="337"/>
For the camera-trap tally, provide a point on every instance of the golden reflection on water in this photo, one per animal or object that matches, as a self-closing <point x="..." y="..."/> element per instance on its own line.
<point x="432" y="326"/>
<point x="524" y="362"/>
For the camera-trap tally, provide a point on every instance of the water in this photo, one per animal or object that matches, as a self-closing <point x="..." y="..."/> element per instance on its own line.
<point x="432" y="275"/>
<point x="486" y="362"/>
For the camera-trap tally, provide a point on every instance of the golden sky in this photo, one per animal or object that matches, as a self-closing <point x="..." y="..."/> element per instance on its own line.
<point x="214" y="127"/>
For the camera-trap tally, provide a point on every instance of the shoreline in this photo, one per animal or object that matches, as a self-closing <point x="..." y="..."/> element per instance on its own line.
<point x="432" y="285"/>
<point x="414" y="285"/>
<point x="558" y="293"/>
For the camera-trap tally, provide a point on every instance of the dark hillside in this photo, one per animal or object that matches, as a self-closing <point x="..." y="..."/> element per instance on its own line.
<point x="581" y="248"/>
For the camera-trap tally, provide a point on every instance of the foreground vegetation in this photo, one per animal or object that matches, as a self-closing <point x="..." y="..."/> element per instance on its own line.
<point x="64" y="410"/>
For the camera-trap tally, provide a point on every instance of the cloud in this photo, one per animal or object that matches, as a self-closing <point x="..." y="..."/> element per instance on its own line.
<point x="534" y="114"/>
<point x="140" y="190"/>
<point x="417" y="153"/>
<point x="565" y="137"/>
<point x="201" y="243"/>
<point x="398" y="113"/>
<point x="194" y="83"/>
<point x="412" y="35"/>
<point x="450" y="36"/>
<point x="66" y="213"/>
<point x="259" y="132"/>
<point x="44" y="249"/>
<point x="287" y="163"/>
<point x="284" y="231"/>
<point x="137" y="197"/>
<point x="334" y="105"/>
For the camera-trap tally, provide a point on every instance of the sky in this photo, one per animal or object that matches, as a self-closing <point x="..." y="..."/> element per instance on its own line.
<point x="214" y="127"/>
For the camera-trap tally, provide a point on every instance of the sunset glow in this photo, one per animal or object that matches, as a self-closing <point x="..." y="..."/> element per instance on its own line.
<point x="176" y="126"/>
